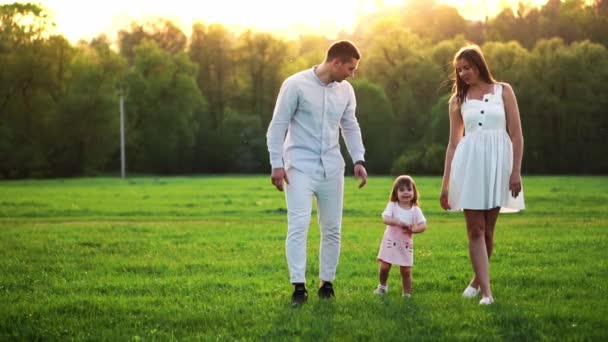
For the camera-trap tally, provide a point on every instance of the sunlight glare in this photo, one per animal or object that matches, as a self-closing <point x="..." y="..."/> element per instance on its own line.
<point x="480" y="9"/>
<point x="87" y="19"/>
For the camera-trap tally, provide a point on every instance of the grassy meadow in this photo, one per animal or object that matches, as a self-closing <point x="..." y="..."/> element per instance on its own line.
<point x="202" y="258"/>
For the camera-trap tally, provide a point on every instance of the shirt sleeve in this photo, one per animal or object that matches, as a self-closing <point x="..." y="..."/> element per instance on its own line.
<point x="285" y="107"/>
<point x="388" y="211"/>
<point x="351" y="132"/>
<point x="419" y="218"/>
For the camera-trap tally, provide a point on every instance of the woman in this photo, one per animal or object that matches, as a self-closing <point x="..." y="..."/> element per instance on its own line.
<point x="482" y="173"/>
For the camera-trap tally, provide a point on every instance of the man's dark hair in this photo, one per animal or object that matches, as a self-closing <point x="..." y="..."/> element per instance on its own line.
<point x="343" y="49"/>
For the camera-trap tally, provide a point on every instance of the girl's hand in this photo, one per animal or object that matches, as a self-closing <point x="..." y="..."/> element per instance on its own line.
<point x="406" y="226"/>
<point x="408" y="230"/>
<point x="443" y="200"/>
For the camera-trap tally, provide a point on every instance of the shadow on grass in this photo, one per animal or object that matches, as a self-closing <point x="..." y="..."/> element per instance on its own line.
<point x="356" y="317"/>
<point x="311" y="321"/>
<point x="404" y="319"/>
<point x="512" y="323"/>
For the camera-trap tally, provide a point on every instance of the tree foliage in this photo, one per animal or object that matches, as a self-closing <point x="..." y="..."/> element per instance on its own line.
<point x="202" y="103"/>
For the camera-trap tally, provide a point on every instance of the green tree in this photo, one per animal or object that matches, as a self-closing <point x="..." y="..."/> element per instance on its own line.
<point x="167" y="35"/>
<point x="521" y="26"/>
<point x="441" y="23"/>
<point x="30" y="83"/>
<point x="375" y="117"/>
<point x="84" y="133"/>
<point x="442" y="55"/>
<point x="212" y="50"/>
<point x="244" y="138"/>
<point x="399" y="61"/>
<point x="309" y="50"/>
<point x="162" y="99"/>
<point x="599" y="22"/>
<point x="261" y="58"/>
<point x="507" y="60"/>
<point x="561" y="112"/>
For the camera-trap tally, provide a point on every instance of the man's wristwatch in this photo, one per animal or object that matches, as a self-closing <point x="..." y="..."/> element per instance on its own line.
<point x="360" y="162"/>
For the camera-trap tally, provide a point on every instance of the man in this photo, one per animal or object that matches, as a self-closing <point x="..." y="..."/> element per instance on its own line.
<point x="303" y="142"/>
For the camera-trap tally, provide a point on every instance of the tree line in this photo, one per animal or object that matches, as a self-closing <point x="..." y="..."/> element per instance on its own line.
<point x="201" y="103"/>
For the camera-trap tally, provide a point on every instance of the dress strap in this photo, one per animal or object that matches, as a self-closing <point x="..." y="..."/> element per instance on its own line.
<point x="498" y="88"/>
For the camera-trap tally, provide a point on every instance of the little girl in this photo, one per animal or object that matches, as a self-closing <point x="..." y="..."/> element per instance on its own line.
<point x="403" y="218"/>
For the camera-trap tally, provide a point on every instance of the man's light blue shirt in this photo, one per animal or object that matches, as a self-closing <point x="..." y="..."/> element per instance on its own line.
<point x="308" y="116"/>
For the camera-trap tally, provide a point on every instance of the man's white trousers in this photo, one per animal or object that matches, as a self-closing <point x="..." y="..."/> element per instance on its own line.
<point x="299" y="196"/>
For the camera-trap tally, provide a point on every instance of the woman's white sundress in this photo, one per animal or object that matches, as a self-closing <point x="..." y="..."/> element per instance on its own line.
<point x="483" y="160"/>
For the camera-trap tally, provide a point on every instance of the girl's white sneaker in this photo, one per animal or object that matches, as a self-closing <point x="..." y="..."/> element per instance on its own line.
<point x="381" y="290"/>
<point x="486" y="301"/>
<point x="470" y="292"/>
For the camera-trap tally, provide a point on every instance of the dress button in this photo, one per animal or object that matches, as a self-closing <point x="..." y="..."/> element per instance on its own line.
<point x="482" y="112"/>
<point x="479" y="124"/>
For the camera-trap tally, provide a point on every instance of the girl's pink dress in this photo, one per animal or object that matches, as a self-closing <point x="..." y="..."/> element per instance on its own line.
<point x="397" y="247"/>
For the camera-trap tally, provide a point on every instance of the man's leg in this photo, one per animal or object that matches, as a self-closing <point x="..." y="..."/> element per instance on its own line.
<point x="329" y="207"/>
<point x="298" y="195"/>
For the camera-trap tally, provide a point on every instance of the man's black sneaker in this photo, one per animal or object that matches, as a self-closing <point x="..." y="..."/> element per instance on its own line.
<point x="300" y="295"/>
<point x="326" y="291"/>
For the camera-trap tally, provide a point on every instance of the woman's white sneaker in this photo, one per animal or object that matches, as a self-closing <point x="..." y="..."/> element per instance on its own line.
<point x="470" y="292"/>
<point x="486" y="301"/>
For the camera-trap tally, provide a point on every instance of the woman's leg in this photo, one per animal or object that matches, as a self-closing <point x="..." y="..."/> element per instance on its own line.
<point x="475" y="220"/>
<point x="491" y="216"/>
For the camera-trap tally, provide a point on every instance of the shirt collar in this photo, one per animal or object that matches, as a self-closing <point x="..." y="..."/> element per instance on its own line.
<point x="314" y="74"/>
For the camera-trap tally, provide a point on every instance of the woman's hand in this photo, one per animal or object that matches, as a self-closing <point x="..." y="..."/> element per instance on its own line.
<point x="443" y="200"/>
<point x="515" y="184"/>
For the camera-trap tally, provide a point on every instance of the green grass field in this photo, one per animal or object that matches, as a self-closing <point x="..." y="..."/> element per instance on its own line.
<point x="202" y="258"/>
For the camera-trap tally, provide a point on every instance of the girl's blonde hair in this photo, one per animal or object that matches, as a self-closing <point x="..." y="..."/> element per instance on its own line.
<point x="408" y="182"/>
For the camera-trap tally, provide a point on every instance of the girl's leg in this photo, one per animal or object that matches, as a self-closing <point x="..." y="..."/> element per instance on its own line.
<point x="477" y="249"/>
<point x="406" y="278"/>
<point x="491" y="216"/>
<point x="383" y="272"/>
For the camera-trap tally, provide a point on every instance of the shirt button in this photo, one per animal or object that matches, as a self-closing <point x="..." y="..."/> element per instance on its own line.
<point x="479" y="124"/>
<point x="486" y="100"/>
<point x="482" y="112"/>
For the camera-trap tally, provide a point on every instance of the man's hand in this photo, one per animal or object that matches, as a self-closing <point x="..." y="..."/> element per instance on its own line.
<point x="360" y="172"/>
<point x="277" y="176"/>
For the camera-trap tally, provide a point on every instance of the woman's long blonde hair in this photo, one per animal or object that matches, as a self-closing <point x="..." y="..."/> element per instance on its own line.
<point x="473" y="55"/>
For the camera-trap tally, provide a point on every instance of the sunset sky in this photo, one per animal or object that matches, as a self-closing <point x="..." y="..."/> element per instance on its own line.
<point x="86" y="19"/>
